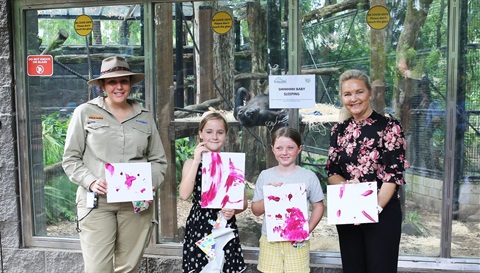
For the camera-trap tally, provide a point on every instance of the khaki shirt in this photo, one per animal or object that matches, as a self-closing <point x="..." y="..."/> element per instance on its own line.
<point x="95" y="137"/>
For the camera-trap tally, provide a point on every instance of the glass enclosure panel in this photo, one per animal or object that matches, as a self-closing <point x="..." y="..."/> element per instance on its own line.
<point x="216" y="56"/>
<point x="466" y="189"/>
<point x="409" y="83"/>
<point x="51" y="99"/>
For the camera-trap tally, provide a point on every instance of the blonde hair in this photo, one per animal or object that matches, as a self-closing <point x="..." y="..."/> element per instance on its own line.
<point x="349" y="75"/>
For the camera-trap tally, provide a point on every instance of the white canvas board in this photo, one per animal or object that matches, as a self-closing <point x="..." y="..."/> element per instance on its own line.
<point x="223" y="180"/>
<point x="352" y="203"/>
<point x="129" y="181"/>
<point x="286" y="212"/>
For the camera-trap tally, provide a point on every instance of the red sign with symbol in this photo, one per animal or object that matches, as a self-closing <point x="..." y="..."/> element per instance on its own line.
<point x="40" y="65"/>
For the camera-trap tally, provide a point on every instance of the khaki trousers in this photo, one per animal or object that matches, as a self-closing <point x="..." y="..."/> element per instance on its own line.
<point x="113" y="237"/>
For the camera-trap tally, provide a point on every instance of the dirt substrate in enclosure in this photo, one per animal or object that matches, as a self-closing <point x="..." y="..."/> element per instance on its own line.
<point x="420" y="237"/>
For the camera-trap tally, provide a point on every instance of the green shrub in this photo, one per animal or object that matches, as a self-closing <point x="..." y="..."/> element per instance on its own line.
<point x="60" y="200"/>
<point x="54" y="130"/>
<point x="184" y="148"/>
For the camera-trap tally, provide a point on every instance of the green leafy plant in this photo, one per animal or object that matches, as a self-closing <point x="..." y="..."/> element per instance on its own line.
<point x="414" y="219"/>
<point x="54" y="130"/>
<point x="184" y="148"/>
<point x="316" y="165"/>
<point x="60" y="200"/>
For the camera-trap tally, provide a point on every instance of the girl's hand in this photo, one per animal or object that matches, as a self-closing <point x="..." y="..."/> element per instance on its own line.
<point x="199" y="150"/>
<point x="228" y="213"/>
<point x="275" y="184"/>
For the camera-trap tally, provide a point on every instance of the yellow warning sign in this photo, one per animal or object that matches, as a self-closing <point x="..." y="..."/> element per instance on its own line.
<point x="83" y="25"/>
<point x="378" y="17"/>
<point x="222" y="22"/>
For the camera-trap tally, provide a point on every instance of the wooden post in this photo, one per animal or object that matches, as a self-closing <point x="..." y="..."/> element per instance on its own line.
<point x="164" y="42"/>
<point x="205" y="56"/>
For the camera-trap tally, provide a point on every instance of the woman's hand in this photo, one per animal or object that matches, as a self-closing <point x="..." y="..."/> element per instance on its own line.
<point x="99" y="186"/>
<point x="353" y="181"/>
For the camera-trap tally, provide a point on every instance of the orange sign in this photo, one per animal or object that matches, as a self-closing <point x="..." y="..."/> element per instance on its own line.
<point x="40" y="65"/>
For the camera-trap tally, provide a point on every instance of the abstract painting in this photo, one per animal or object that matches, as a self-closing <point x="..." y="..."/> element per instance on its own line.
<point x="352" y="203"/>
<point x="286" y="212"/>
<point x="223" y="180"/>
<point x="128" y="181"/>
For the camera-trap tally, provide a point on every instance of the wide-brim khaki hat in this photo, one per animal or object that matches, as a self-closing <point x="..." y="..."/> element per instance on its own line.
<point x="116" y="67"/>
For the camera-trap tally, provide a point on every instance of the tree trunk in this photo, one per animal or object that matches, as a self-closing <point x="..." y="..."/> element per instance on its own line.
<point x="378" y="64"/>
<point x="254" y="149"/>
<point x="414" y="21"/>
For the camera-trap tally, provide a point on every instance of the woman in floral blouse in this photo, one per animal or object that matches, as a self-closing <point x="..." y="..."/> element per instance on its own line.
<point x="367" y="146"/>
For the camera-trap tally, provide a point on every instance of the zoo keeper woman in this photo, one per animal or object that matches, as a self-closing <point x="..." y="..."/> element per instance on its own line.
<point x="112" y="129"/>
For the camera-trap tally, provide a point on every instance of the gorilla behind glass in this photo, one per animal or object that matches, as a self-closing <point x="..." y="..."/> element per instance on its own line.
<point x="256" y="111"/>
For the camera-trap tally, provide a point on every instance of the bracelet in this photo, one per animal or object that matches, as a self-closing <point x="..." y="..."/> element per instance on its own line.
<point x="379" y="209"/>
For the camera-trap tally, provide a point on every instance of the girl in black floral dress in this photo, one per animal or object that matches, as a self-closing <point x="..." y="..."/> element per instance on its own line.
<point x="212" y="132"/>
<point x="367" y="146"/>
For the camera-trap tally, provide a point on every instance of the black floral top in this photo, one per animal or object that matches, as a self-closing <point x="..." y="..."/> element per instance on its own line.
<point x="369" y="150"/>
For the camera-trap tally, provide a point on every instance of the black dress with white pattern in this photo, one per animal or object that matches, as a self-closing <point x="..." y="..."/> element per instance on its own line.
<point x="197" y="227"/>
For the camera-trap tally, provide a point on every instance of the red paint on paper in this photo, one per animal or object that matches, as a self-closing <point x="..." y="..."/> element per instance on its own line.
<point x="273" y="198"/>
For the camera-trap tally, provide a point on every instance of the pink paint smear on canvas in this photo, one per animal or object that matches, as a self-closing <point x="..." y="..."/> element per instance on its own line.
<point x="273" y="198"/>
<point x="234" y="177"/>
<point x="226" y="200"/>
<point x="293" y="228"/>
<point x="216" y="178"/>
<point x="109" y="167"/>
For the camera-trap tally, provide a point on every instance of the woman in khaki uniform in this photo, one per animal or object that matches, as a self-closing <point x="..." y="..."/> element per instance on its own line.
<point x="112" y="129"/>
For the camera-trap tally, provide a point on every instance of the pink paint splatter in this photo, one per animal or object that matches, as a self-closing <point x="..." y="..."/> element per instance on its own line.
<point x="367" y="193"/>
<point x="278" y="217"/>
<point x="142" y="190"/>
<point x="226" y="200"/>
<point x="277" y="229"/>
<point x="368" y="216"/>
<point x="129" y="180"/>
<point x="117" y="188"/>
<point x="339" y="212"/>
<point x="109" y="167"/>
<point x="216" y="177"/>
<point x="273" y="198"/>
<point x="289" y="196"/>
<point x="293" y="230"/>
<point x="235" y="175"/>
<point x="342" y="190"/>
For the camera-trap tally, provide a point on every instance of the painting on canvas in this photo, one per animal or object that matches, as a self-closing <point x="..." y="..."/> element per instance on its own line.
<point x="128" y="181"/>
<point x="223" y="180"/>
<point x="352" y="203"/>
<point x="286" y="212"/>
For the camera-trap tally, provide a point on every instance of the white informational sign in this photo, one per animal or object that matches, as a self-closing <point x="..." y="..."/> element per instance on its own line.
<point x="352" y="203"/>
<point x="291" y="91"/>
<point x="129" y="181"/>
<point x="223" y="180"/>
<point x="286" y="212"/>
